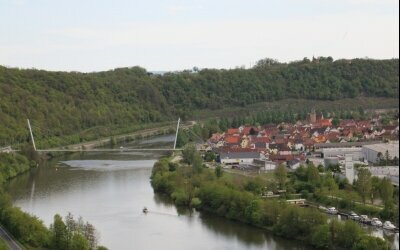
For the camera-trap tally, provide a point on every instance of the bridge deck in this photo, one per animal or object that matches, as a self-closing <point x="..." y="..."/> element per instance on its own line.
<point x="109" y="150"/>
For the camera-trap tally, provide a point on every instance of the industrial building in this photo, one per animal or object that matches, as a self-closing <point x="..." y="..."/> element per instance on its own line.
<point x="356" y="153"/>
<point x="371" y="152"/>
<point x="241" y="157"/>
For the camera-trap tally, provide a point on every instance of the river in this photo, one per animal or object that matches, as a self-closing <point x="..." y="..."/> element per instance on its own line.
<point x="110" y="190"/>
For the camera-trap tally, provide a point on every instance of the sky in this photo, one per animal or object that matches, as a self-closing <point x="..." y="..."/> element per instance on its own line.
<point x="164" y="35"/>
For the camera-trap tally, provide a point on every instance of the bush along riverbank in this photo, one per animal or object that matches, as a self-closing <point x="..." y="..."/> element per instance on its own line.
<point x="188" y="183"/>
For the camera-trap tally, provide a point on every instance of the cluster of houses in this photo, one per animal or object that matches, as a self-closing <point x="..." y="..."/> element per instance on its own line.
<point x="292" y="144"/>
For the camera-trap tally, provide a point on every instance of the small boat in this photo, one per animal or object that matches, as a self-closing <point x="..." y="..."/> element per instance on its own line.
<point x="332" y="210"/>
<point x="354" y="216"/>
<point x="365" y="219"/>
<point x="388" y="225"/>
<point x="376" y="222"/>
<point x="145" y="210"/>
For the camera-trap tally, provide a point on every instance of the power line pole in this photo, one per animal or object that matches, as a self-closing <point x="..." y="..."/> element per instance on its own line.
<point x="176" y="135"/>
<point x="30" y="131"/>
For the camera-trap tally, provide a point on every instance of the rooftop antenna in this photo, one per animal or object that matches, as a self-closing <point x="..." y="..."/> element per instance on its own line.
<point x="176" y="135"/>
<point x="30" y="131"/>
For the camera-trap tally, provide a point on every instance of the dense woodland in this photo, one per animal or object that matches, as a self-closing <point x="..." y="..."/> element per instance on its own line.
<point x="81" y="106"/>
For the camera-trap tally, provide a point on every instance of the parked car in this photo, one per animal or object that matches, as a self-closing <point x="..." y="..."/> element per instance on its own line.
<point x="365" y="219"/>
<point x="376" y="222"/>
<point x="388" y="225"/>
<point x="332" y="210"/>
<point x="354" y="216"/>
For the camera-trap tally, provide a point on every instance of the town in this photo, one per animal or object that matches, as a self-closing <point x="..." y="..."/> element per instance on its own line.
<point x="322" y="141"/>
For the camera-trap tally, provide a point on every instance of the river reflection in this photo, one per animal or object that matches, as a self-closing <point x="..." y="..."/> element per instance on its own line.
<point x="110" y="190"/>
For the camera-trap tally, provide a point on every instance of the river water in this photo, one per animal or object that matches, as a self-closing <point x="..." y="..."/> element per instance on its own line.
<point x="110" y="190"/>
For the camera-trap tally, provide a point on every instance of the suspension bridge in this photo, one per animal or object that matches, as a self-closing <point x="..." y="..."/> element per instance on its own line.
<point x="83" y="149"/>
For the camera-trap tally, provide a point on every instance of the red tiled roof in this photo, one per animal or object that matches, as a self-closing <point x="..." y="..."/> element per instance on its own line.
<point x="215" y="137"/>
<point x="332" y="136"/>
<point x="232" y="131"/>
<point x="347" y="123"/>
<point x="227" y="149"/>
<point x="246" y="130"/>
<point x="261" y="139"/>
<point x="281" y="157"/>
<point x="280" y="141"/>
<point x="320" y="138"/>
<point x="308" y="142"/>
<point x="325" y="122"/>
<point x="232" y="139"/>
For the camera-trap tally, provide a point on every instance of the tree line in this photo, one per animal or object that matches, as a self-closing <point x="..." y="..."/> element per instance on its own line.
<point x="238" y="198"/>
<point x="78" y="106"/>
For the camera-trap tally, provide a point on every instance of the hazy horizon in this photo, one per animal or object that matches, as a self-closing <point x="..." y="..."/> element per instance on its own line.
<point x="173" y="35"/>
<point x="191" y="68"/>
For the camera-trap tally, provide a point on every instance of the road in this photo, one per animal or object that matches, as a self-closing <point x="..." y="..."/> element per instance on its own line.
<point x="103" y="141"/>
<point x="9" y="240"/>
<point x="357" y="202"/>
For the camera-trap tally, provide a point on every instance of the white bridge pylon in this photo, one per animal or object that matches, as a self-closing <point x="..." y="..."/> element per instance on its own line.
<point x="176" y="135"/>
<point x="103" y="149"/>
<point x="30" y="131"/>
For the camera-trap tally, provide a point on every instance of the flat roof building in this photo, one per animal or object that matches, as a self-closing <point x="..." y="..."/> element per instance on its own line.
<point x="371" y="152"/>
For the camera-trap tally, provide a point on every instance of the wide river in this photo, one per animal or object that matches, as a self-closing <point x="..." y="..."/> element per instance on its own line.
<point x="110" y="190"/>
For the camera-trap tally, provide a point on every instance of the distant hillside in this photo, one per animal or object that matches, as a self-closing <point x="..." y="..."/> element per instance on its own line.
<point x="68" y="104"/>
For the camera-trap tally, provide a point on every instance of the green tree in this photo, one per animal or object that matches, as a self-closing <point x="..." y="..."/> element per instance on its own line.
<point x="218" y="171"/>
<point x="29" y="152"/>
<point x="209" y="156"/>
<point x="348" y="234"/>
<point x="113" y="141"/>
<point x="59" y="234"/>
<point x="363" y="184"/>
<point x="386" y="190"/>
<point x="189" y="153"/>
<point x="313" y="175"/>
<point x="89" y="232"/>
<point x="329" y="183"/>
<point x="335" y="122"/>
<point x="375" y="188"/>
<point x="281" y="175"/>
<point x="182" y="139"/>
<point x="321" y="238"/>
<point x="79" y="242"/>
<point x="3" y="245"/>
<point x="371" y="243"/>
<point x="197" y="162"/>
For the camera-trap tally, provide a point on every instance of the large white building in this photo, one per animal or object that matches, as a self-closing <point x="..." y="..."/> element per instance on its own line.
<point x="349" y="168"/>
<point x="238" y="157"/>
<point x="371" y="152"/>
<point x="356" y="153"/>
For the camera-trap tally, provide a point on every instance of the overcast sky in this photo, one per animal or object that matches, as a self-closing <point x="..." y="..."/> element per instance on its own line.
<point x="94" y="35"/>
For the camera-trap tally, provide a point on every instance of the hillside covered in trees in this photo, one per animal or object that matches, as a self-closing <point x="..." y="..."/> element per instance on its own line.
<point x="68" y="104"/>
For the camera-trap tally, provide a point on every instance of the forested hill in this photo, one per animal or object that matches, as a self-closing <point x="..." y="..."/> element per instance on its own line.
<point x="66" y="103"/>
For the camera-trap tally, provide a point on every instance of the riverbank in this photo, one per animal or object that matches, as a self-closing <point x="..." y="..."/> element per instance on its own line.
<point x="112" y="189"/>
<point x="30" y="230"/>
<point x="236" y="198"/>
